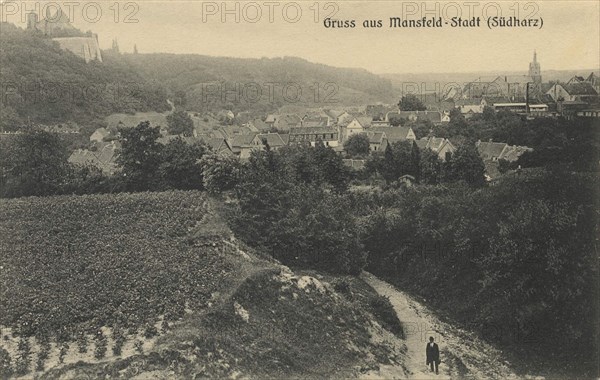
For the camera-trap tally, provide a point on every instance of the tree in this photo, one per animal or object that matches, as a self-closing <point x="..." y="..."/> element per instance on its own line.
<point x="396" y="120"/>
<point x="33" y="163"/>
<point x="431" y="167"/>
<point x="421" y="127"/>
<point x="140" y="156"/>
<point x="400" y="158"/>
<point x="331" y="168"/>
<point x="220" y="173"/>
<point x="180" y="165"/>
<point x="466" y="165"/>
<point x="358" y="145"/>
<point x="458" y="124"/>
<point x="411" y="102"/>
<point x="180" y="123"/>
<point x="292" y="216"/>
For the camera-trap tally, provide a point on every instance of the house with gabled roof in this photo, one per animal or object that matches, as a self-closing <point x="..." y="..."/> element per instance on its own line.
<point x="337" y="117"/>
<point x="257" y="125"/>
<point x="594" y="81"/>
<point x="365" y="121"/>
<point x="314" y="121"/>
<point x="99" y="134"/>
<point x="218" y="145"/>
<point x="311" y="135"/>
<point x="574" y="91"/>
<point x="243" y="145"/>
<point x="283" y="122"/>
<point x="494" y="151"/>
<point x="433" y="116"/>
<point x="395" y="134"/>
<point x="353" y="128"/>
<point x="469" y="107"/>
<point x="102" y="155"/>
<point x="441" y="146"/>
<point x="378" y="141"/>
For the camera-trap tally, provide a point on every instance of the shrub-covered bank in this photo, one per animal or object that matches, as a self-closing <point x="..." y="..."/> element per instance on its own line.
<point x="515" y="261"/>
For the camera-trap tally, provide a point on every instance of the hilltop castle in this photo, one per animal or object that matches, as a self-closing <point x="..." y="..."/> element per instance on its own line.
<point x="59" y="28"/>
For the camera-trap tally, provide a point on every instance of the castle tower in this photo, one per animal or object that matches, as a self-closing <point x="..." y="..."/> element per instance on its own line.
<point x="535" y="72"/>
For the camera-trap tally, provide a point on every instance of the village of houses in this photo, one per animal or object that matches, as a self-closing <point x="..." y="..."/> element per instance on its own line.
<point x="239" y="134"/>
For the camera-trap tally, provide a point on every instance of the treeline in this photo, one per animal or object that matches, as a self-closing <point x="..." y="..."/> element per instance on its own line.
<point x="425" y="166"/>
<point x="203" y="83"/>
<point x="554" y="141"/>
<point x="35" y="163"/>
<point x="43" y="84"/>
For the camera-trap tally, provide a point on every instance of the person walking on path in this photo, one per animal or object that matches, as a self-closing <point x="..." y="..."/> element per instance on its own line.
<point x="433" y="355"/>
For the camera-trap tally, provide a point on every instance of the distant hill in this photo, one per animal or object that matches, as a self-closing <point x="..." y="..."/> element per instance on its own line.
<point x="211" y="83"/>
<point x="44" y="84"/>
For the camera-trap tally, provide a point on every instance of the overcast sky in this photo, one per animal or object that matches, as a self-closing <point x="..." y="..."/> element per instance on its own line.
<point x="569" y="39"/>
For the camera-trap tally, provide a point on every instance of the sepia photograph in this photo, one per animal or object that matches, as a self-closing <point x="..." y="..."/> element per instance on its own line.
<point x="306" y="189"/>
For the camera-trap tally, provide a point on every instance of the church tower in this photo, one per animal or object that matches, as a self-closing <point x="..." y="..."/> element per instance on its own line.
<point x="535" y="72"/>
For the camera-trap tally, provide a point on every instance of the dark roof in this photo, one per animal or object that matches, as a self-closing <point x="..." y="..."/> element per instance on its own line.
<point x="217" y="144"/>
<point x="582" y="88"/>
<point x="393" y="134"/>
<point x="273" y="139"/>
<point x="592" y="78"/>
<point x="312" y="130"/>
<point x="365" y="121"/>
<point x="469" y="102"/>
<point x="490" y="149"/>
<point x="103" y="157"/>
<point x="261" y="125"/>
<point x="315" y="121"/>
<point x="241" y="140"/>
<point x="375" y="137"/>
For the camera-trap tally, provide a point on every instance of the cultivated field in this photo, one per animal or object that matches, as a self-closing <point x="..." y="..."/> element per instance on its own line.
<point x="132" y="283"/>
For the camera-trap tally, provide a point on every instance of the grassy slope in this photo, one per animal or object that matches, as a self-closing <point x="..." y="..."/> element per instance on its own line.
<point x="139" y="259"/>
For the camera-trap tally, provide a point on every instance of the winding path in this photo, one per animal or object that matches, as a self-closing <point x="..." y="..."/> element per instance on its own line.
<point x="462" y="354"/>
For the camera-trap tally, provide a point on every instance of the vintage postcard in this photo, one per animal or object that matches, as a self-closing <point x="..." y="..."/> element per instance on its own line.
<point x="299" y="189"/>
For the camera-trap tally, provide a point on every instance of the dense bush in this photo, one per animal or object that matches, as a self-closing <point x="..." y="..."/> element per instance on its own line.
<point x="219" y="173"/>
<point x="286" y="210"/>
<point x="514" y="261"/>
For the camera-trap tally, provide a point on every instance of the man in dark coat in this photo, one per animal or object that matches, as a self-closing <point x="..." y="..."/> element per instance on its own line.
<point x="433" y="355"/>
